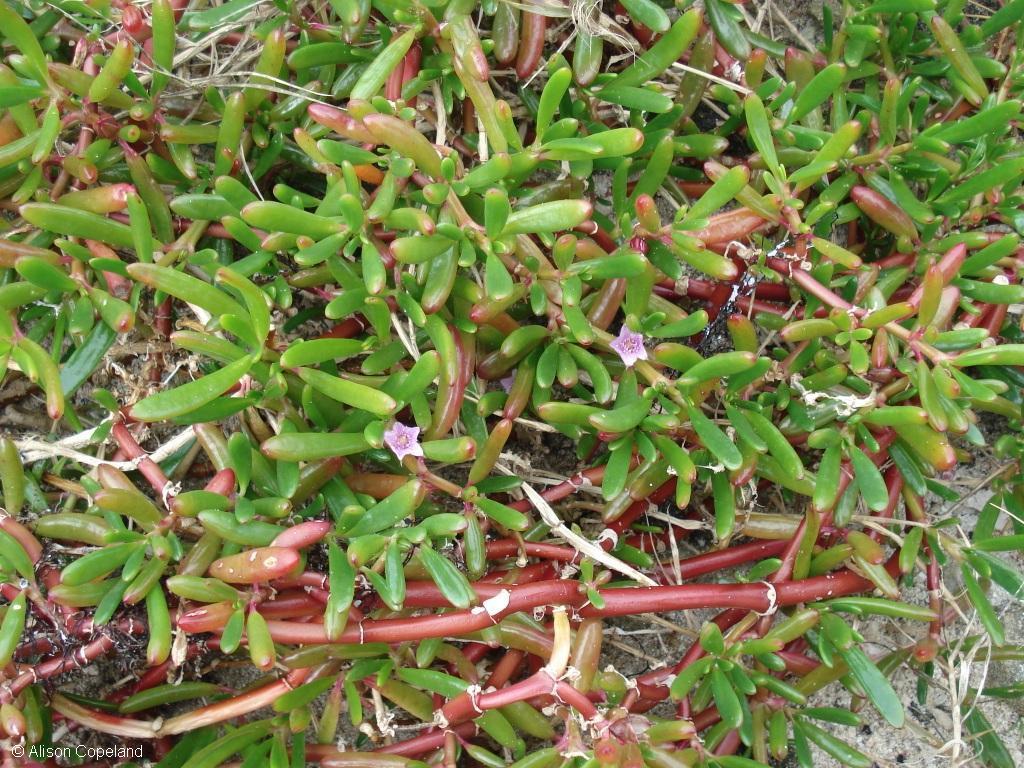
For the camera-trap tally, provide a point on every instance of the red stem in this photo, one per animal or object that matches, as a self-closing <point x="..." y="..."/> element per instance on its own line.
<point x="147" y="467"/>
<point x="54" y="666"/>
<point x="623" y="601"/>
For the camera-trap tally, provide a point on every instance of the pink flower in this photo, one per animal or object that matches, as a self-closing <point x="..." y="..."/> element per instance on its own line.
<point x="507" y="382"/>
<point x="630" y="346"/>
<point x="403" y="441"/>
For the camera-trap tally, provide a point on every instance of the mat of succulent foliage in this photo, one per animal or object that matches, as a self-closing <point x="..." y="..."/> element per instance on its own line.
<point x="365" y="246"/>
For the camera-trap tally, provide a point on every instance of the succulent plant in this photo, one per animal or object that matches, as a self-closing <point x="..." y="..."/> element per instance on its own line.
<point x="348" y="261"/>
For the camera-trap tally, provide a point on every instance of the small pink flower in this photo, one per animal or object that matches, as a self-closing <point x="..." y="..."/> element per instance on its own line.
<point x="403" y="441"/>
<point x="630" y="346"/>
<point x="507" y="382"/>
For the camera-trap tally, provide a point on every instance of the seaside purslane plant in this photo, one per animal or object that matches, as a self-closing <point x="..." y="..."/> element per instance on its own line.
<point x="292" y="291"/>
